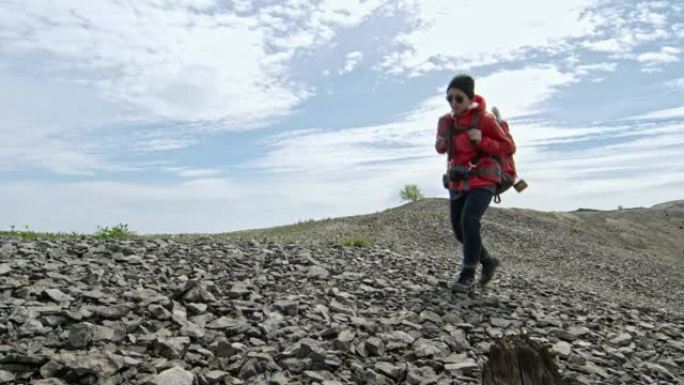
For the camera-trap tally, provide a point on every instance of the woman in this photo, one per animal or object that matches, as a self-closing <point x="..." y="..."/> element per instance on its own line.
<point x="472" y="138"/>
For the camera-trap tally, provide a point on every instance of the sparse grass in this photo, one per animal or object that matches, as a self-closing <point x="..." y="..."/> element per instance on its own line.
<point x="29" y="234"/>
<point x="356" y="241"/>
<point x="119" y="231"/>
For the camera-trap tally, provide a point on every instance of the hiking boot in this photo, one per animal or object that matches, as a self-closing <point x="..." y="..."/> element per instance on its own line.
<point x="489" y="266"/>
<point x="465" y="282"/>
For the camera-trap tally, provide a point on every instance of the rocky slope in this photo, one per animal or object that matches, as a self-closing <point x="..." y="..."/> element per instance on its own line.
<point x="291" y="306"/>
<point x="631" y="255"/>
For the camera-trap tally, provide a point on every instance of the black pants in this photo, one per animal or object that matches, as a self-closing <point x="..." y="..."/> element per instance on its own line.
<point x="466" y="213"/>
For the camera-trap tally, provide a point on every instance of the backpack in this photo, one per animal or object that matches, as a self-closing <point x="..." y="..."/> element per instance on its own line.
<point x="508" y="172"/>
<point x="506" y="162"/>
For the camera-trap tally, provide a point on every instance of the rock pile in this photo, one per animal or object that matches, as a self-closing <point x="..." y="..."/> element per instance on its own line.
<point x="162" y="311"/>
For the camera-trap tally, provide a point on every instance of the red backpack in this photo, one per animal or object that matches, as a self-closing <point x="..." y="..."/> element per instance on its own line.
<point x="509" y="174"/>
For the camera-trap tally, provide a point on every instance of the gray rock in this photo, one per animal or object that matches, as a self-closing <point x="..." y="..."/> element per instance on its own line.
<point x="574" y="332"/>
<point x="344" y="340"/>
<point x="500" y="323"/>
<point x="197" y="292"/>
<point x="229" y="325"/>
<point x="7" y="250"/>
<point x="278" y="378"/>
<point x="422" y="375"/>
<point x="6" y="377"/>
<point x="101" y="365"/>
<point x="431" y="316"/>
<point x="465" y="364"/>
<point x="375" y="346"/>
<point x="216" y="376"/>
<point x="159" y="312"/>
<point x="81" y="335"/>
<point x="372" y="377"/>
<point x="196" y="308"/>
<point x="562" y="348"/>
<point x="287" y="307"/>
<point x="659" y="369"/>
<point x="172" y="347"/>
<point x="115" y="312"/>
<point x="316" y="271"/>
<point x="296" y="365"/>
<point x="133" y="260"/>
<point x="56" y="295"/>
<point x="426" y="348"/>
<point x="48" y="381"/>
<point x="191" y="329"/>
<point x="173" y="376"/>
<point x="238" y="290"/>
<point x="318" y="375"/>
<point x="390" y="370"/>
<point x="622" y="340"/>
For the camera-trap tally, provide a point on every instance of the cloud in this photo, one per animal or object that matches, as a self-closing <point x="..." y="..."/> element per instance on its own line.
<point x="186" y="172"/>
<point x="675" y="83"/>
<point x="666" y="55"/>
<point x="607" y="45"/>
<point x="539" y="83"/>
<point x="622" y="27"/>
<point x="586" y="69"/>
<point x="605" y="175"/>
<point x="91" y="84"/>
<point x="669" y="113"/>
<point x="461" y="34"/>
<point x="182" y="61"/>
<point x="351" y="61"/>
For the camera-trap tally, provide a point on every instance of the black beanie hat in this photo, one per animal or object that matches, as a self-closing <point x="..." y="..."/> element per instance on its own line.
<point x="464" y="83"/>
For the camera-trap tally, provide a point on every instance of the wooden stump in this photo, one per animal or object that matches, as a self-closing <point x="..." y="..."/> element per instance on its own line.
<point x="517" y="360"/>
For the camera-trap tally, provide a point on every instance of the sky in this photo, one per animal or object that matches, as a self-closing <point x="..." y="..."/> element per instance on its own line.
<point x="209" y="116"/>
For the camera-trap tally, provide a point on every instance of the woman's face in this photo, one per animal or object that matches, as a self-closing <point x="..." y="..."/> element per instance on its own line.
<point x="458" y="100"/>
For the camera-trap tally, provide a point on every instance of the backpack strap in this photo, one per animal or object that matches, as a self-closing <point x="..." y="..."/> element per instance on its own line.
<point x="454" y="128"/>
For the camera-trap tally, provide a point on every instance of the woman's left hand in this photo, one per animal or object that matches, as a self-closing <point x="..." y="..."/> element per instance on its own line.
<point x="475" y="135"/>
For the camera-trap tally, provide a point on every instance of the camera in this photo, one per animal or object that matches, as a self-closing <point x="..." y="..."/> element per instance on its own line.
<point x="520" y="185"/>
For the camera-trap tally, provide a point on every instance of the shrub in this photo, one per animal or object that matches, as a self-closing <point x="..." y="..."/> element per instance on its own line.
<point x="119" y="231"/>
<point x="410" y="192"/>
<point x="356" y="241"/>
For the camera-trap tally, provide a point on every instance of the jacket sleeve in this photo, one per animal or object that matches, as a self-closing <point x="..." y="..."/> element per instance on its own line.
<point x="494" y="139"/>
<point x="442" y="132"/>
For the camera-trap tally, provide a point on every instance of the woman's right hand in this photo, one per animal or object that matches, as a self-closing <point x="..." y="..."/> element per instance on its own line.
<point x="441" y="144"/>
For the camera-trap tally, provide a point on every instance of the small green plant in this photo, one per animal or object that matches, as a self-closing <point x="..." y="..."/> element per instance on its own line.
<point x="620" y="208"/>
<point x="119" y="231"/>
<point x="26" y="233"/>
<point x="410" y="192"/>
<point x="356" y="241"/>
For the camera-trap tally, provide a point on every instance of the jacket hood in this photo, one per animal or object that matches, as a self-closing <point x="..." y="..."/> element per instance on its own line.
<point x="478" y="104"/>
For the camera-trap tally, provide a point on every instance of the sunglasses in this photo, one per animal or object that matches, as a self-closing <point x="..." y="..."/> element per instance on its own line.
<point x="459" y="99"/>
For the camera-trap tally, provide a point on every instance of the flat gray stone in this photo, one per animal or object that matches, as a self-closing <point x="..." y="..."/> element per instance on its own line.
<point x="173" y="376"/>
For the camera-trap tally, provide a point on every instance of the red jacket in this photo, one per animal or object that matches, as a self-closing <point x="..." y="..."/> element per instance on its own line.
<point x="462" y="151"/>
